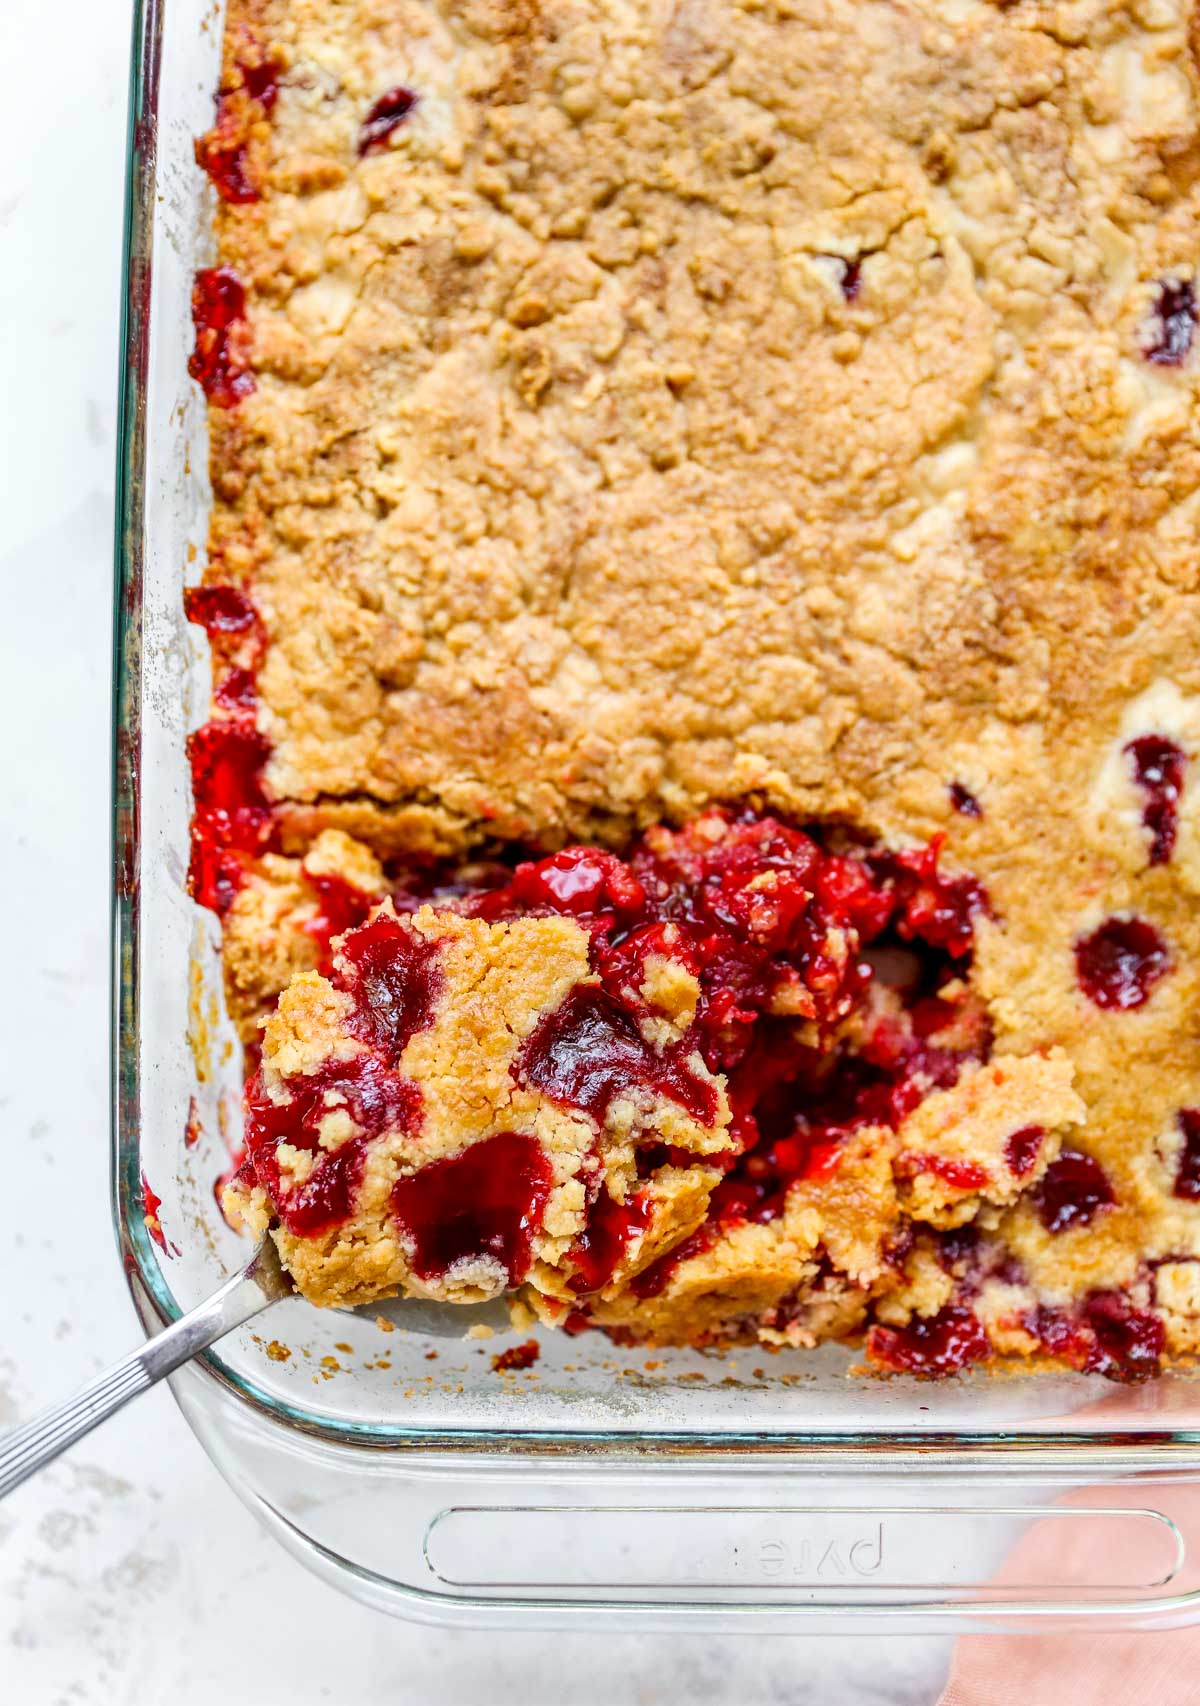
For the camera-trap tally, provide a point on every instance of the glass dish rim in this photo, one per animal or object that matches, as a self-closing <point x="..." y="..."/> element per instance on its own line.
<point x="1147" y="1448"/>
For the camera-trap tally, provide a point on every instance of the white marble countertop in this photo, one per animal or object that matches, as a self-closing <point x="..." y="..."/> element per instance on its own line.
<point x="130" y="1572"/>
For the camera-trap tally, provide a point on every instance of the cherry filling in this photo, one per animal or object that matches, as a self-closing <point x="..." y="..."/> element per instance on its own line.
<point x="935" y="1345"/>
<point x="1187" y="1170"/>
<point x="1172" y="324"/>
<point x="1119" y="964"/>
<point x="964" y="801"/>
<point x="589" y="1050"/>
<point x="764" y="931"/>
<point x="224" y="151"/>
<point x="771" y="926"/>
<point x="1105" y="1335"/>
<point x="376" y="1100"/>
<point x="1022" y="1149"/>
<point x="486" y="1203"/>
<point x="394" y="979"/>
<point x="1072" y="1191"/>
<point x="611" y="1228"/>
<point x="220" y="360"/>
<point x="1158" y="769"/>
<point x="342" y="907"/>
<point x="221" y="610"/>
<point x="388" y="112"/>
<point x="232" y="819"/>
<point x="959" y="1174"/>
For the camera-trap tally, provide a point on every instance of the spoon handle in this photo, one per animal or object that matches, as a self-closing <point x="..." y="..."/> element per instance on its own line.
<point x="27" y="1448"/>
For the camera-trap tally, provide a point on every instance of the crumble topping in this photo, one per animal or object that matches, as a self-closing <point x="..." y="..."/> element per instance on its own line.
<point x="661" y="430"/>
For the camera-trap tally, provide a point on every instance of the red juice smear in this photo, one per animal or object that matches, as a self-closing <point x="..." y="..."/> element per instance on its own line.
<point x="486" y="1203"/>
<point x="224" y="151"/>
<point x="1105" y="1335"/>
<point x="193" y="1131"/>
<point x="220" y="609"/>
<point x="150" y="1207"/>
<point x="343" y="907"/>
<point x="654" y="1280"/>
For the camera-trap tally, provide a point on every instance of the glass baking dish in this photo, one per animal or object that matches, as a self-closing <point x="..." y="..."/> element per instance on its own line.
<point x="740" y="1489"/>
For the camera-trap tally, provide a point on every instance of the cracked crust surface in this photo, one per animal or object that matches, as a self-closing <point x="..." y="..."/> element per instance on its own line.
<point x="720" y="399"/>
<point x="584" y="480"/>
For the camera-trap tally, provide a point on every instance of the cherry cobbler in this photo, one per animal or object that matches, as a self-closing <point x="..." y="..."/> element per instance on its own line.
<point x="704" y="597"/>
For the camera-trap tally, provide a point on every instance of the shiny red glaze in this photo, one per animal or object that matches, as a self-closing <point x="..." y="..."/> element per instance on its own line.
<point x="851" y="280"/>
<point x="652" y="1281"/>
<point x="935" y="1345"/>
<point x="393" y="976"/>
<point x="486" y="1202"/>
<point x="1022" y="1149"/>
<point x="517" y="1357"/>
<point x="343" y="907"/>
<point x="958" y="1174"/>
<point x="589" y="1050"/>
<point x="1119" y="964"/>
<point x="964" y="801"/>
<point x="1158" y="769"/>
<point x="219" y="360"/>
<point x="1172" y="326"/>
<point x="611" y="1228"/>
<point x="232" y="817"/>
<point x="219" y="609"/>
<point x="1072" y="1191"/>
<point x="1187" y="1172"/>
<point x="578" y="881"/>
<point x="389" y="111"/>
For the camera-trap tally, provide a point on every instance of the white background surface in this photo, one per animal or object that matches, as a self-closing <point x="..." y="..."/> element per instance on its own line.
<point x="129" y="1572"/>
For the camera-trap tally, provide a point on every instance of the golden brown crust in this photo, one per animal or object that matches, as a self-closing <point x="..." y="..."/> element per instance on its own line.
<point x="577" y="492"/>
<point x="746" y="399"/>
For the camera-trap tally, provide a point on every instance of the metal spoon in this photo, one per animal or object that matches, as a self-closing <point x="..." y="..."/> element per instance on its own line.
<point x="25" y="1449"/>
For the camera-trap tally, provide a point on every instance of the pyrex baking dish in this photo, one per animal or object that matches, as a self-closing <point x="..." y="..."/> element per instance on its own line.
<point x="747" y="1489"/>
